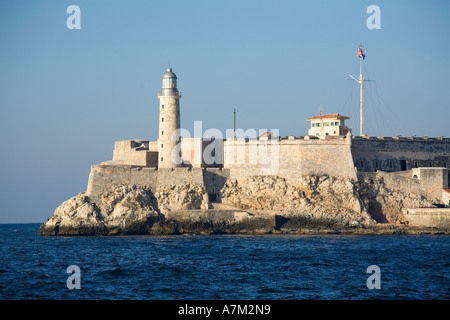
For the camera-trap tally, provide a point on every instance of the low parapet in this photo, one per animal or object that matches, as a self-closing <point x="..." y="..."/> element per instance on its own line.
<point x="399" y="138"/>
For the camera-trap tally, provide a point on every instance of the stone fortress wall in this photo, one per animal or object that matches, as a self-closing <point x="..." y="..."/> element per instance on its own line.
<point x="135" y="162"/>
<point x="399" y="153"/>
<point x="290" y="157"/>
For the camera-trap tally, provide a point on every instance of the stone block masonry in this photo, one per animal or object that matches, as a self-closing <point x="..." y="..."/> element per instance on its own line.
<point x="290" y="158"/>
<point x="179" y="176"/>
<point x="103" y="177"/>
<point x="399" y="153"/>
<point x="428" y="182"/>
<point x="429" y="217"/>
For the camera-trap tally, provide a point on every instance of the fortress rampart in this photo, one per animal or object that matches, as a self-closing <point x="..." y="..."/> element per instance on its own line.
<point x="134" y="162"/>
<point x="399" y="153"/>
<point x="290" y="158"/>
<point x="428" y="182"/>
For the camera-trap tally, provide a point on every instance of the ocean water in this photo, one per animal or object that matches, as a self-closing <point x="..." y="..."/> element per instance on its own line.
<point x="226" y="267"/>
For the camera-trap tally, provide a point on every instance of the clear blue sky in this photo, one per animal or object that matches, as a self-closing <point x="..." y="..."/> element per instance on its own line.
<point x="67" y="95"/>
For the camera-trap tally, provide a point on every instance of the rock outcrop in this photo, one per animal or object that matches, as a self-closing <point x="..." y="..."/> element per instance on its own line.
<point x="122" y="210"/>
<point x="323" y="200"/>
<point x="259" y="204"/>
<point x="385" y="205"/>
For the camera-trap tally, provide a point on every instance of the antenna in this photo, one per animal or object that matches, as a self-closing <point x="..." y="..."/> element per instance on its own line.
<point x="361" y="81"/>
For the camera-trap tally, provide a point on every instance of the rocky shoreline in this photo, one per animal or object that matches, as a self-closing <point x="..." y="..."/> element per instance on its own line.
<point x="195" y="228"/>
<point x="256" y="205"/>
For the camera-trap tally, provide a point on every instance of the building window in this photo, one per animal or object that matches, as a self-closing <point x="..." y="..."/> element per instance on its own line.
<point x="162" y="145"/>
<point x="361" y="164"/>
<point x="431" y="164"/>
<point x="416" y="164"/>
<point x="162" y="107"/>
<point x="445" y="164"/>
<point x="376" y="164"/>
<point x="162" y="158"/>
<point x="336" y="123"/>
<point x="162" y="133"/>
<point x="390" y="164"/>
<point x="162" y="119"/>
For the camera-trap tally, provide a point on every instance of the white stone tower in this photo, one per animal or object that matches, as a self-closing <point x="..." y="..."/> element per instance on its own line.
<point x="169" y="146"/>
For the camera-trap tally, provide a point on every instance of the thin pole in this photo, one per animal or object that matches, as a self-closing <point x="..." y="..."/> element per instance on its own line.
<point x="360" y="81"/>
<point x="234" y="125"/>
<point x="361" y="99"/>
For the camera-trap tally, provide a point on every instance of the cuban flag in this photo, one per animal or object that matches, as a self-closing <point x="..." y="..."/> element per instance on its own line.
<point x="361" y="53"/>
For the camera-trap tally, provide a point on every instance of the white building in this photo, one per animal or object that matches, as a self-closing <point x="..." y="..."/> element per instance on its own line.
<point x="328" y="125"/>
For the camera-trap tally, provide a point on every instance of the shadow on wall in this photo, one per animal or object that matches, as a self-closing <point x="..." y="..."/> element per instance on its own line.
<point x="214" y="180"/>
<point x="375" y="195"/>
<point x="376" y="211"/>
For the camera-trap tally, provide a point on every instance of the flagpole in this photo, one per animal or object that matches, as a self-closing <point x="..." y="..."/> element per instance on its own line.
<point x="361" y="81"/>
<point x="361" y="99"/>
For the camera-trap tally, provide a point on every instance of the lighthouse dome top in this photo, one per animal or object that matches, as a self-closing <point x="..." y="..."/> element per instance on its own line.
<point x="169" y="83"/>
<point x="169" y="74"/>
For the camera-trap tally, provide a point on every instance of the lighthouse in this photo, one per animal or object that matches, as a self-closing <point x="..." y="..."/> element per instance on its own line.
<point x="169" y="147"/>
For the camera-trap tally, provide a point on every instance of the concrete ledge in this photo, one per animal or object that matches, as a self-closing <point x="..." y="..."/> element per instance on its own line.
<point x="428" y="217"/>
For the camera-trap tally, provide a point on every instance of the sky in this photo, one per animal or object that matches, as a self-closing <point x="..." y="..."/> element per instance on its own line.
<point x="67" y="94"/>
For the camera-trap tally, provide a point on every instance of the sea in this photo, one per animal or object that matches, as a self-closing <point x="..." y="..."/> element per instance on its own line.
<point x="222" y="267"/>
